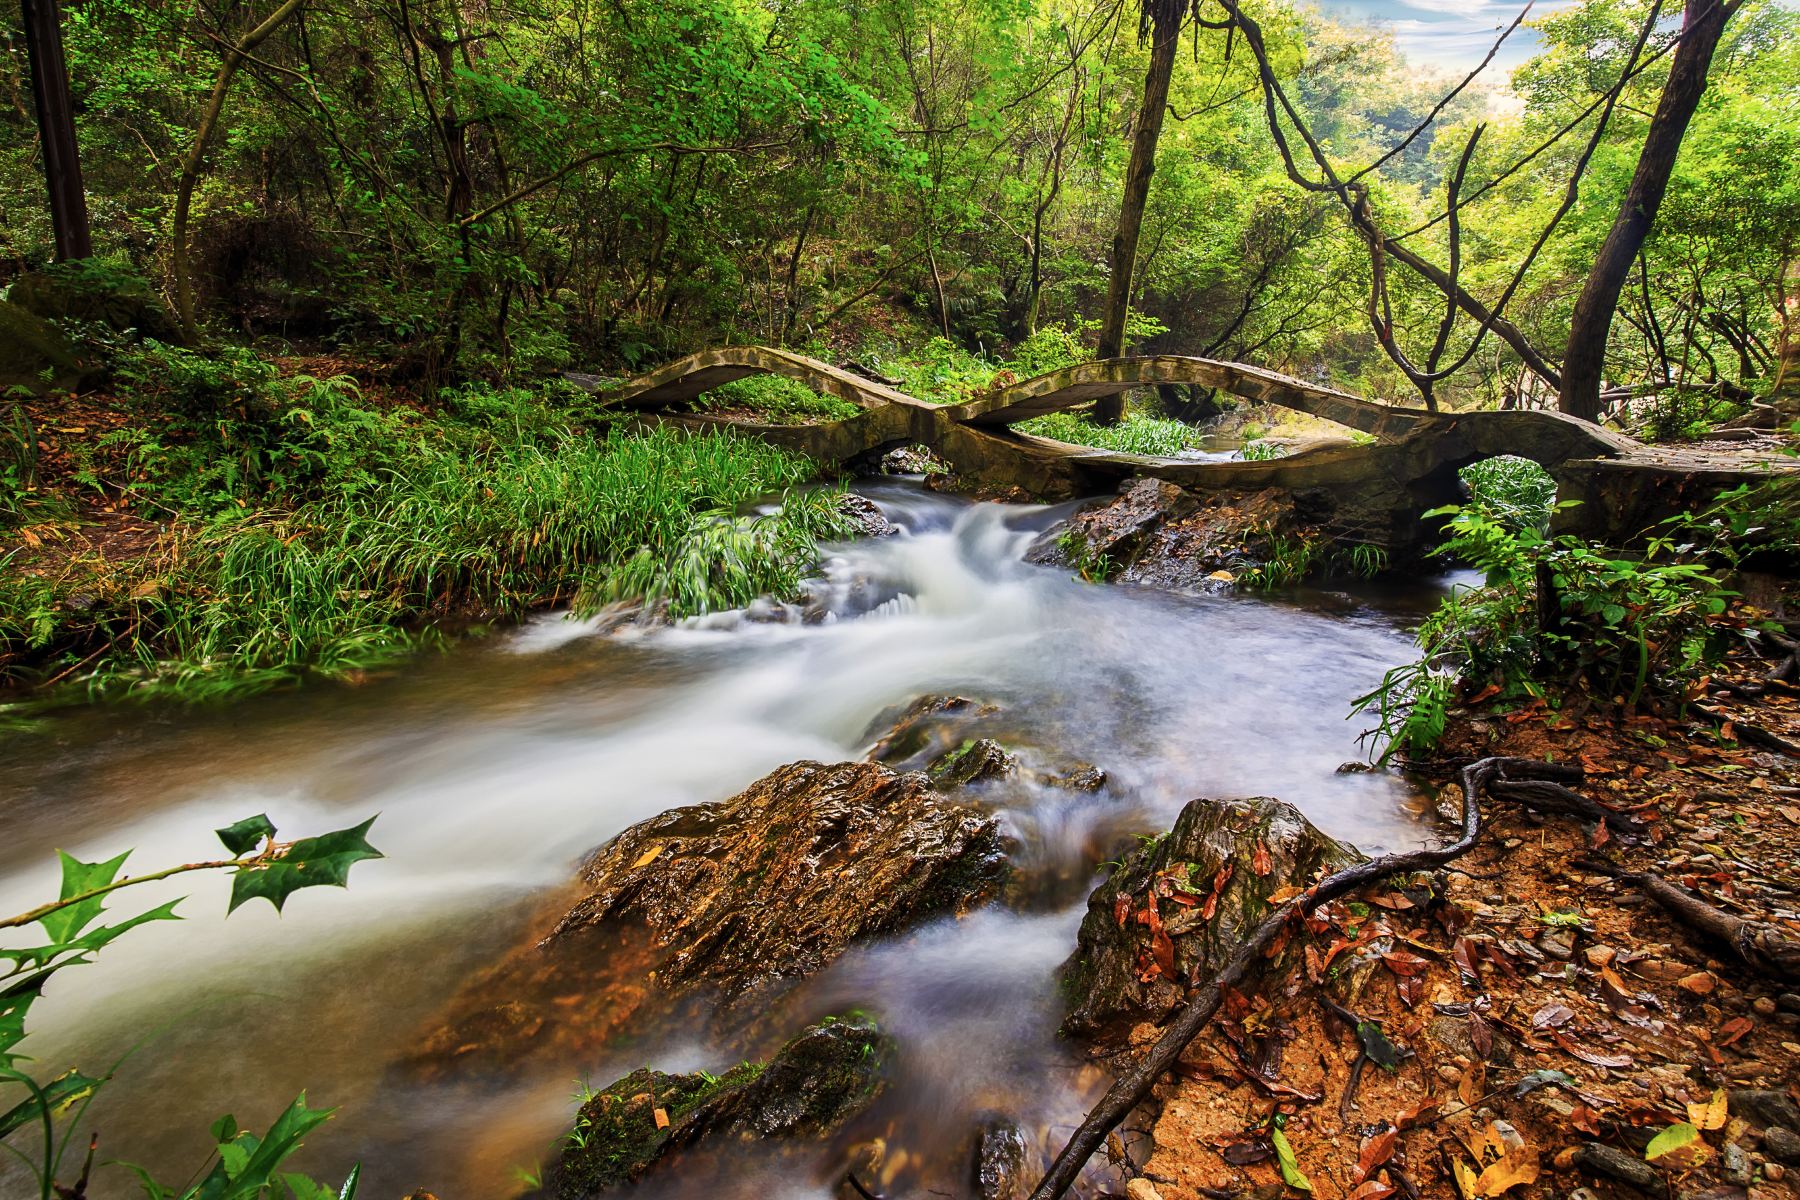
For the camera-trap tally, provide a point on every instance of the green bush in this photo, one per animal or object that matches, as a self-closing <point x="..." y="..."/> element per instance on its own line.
<point x="1514" y="491"/>
<point x="1552" y="615"/>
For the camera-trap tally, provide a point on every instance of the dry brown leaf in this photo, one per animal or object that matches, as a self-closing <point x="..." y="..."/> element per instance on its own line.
<point x="1710" y="1114"/>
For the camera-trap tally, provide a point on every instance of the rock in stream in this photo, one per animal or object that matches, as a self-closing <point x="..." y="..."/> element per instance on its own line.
<point x="731" y="902"/>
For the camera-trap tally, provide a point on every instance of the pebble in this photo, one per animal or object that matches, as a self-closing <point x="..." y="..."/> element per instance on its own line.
<point x="1763" y="1006"/>
<point x="1774" y="1172"/>
<point x="1448" y="1073"/>
<point x="1599" y="956"/>
<point x="1788" y="1002"/>
<point x="1558" y="944"/>
<point x="1141" y="1189"/>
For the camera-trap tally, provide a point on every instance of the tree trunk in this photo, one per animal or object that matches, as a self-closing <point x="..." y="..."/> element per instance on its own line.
<point x="56" y="127"/>
<point x="1166" y="37"/>
<point x="196" y="159"/>
<point x="1584" y="360"/>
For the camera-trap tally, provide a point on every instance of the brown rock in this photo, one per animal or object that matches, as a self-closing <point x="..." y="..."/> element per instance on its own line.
<point x="1122" y="972"/>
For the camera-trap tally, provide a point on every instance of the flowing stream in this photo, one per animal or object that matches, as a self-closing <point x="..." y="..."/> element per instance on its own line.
<point x="497" y="766"/>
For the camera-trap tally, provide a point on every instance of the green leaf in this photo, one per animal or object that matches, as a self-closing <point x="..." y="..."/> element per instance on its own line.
<point x="57" y="1094"/>
<point x="247" y="834"/>
<point x="323" y="861"/>
<point x="1376" y="1045"/>
<point x="79" y="877"/>
<point x="1284" y="1159"/>
<point x="1675" y="1138"/>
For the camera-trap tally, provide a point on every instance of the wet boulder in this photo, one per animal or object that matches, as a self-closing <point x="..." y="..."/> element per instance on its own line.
<point x="972" y="762"/>
<point x="731" y="902"/>
<point x="1000" y="1161"/>
<point x="821" y="1079"/>
<point x="923" y="730"/>
<point x="777" y="881"/>
<point x="866" y="515"/>
<point x="1179" y="906"/>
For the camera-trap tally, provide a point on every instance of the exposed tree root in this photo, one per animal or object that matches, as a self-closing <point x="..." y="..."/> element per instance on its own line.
<point x="1131" y="1087"/>
<point x="1544" y="796"/>
<point x="1760" y="947"/>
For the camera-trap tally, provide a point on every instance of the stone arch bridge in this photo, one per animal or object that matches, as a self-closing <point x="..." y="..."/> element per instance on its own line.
<point x="1371" y="492"/>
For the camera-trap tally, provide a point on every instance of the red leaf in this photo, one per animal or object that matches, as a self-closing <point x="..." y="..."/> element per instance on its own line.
<point x="1402" y="963"/>
<point x="1259" y="862"/>
<point x="1588" y="1056"/>
<point x="1734" y="1029"/>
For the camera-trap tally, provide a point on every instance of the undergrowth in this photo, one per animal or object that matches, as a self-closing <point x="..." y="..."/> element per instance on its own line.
<point x="1558" y="616"/>
<point x="314" y="535"/>
<point x="778" y="400"/>
<point x="1138" y="433"/>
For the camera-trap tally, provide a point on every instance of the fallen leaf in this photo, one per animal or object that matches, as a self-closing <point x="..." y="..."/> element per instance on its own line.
<point x="1376" y="1150"/>
<point x="1588" y="1056"/>
<point x="1259" y="863"/>
<point x="1678" y="1146"/>
<point x="1284" y="1160"/>
<point x="1734" y="1029"/>
<point x="649" y="856"/>
<point x="1711" y="1114"/>
<point x="1517" y="1167"/>
<point x="662" y="1118"/>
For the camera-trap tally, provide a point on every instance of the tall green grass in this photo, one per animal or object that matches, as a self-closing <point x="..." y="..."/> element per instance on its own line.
<point x="1136" y="434"/>
<point x="477" y="522"/>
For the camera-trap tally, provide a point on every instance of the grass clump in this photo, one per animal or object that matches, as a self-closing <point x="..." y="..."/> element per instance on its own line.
<point x="316" y="535"/>
<point x="1516" y="492"/>
<point x="779" y="400"/>
<point x="1138" y="433"/>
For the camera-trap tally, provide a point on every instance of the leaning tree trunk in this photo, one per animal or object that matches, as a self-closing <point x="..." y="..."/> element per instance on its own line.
<point x="196" y="159"/>
<point x="1585" y="359"/>
<point x="1166" y="17"/>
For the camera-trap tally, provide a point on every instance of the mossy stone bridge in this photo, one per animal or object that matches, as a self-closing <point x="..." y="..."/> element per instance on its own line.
<point x="1373" y="493"/>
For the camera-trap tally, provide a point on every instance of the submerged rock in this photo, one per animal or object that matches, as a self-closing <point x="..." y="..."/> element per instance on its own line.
<point x="733" y="901"/>
<point x="812" y="1086"/>
<point x="1000" y="1161"/>
<point x="972" y="762"/>
<point x="924" y="729"/>
<point x="870" y="520"/>
<point x="1148" y="930"/>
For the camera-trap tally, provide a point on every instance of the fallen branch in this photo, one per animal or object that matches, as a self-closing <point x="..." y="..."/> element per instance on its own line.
<point x="1762" y="948"/>
<point x="1131" y="1087"/>
<point x="1751" y="735"/>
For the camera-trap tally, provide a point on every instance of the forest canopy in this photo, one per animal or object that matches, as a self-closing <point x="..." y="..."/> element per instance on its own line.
<point x="495" y="190"/>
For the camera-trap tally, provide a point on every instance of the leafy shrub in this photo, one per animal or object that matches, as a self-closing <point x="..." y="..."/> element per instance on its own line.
<point x="1260" y="450"/>
<point x="1551" y="614"/>
<point x="244" y="1166"/>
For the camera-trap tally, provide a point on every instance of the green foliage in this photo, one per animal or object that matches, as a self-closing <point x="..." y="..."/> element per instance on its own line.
<point x="1552" y="614"/>
<point x="778" y="400"/>
<point x="1288" y="558"/>
<point x="245" y="1166"/>
<point x="1513" y="491"/>
<point x="1091" y="565"/>
<point x="1260" y="450"/>
<point x="322" y="536"/>
<point x="1138" y="433"/>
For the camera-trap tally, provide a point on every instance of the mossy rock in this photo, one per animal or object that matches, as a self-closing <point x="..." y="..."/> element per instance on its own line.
<point x="1122" y="973"/>
<point x="35" y="355"/>
<point x="818" y="1081"/>
<point x="972" y="762"/>
<point x="90" y="291"/>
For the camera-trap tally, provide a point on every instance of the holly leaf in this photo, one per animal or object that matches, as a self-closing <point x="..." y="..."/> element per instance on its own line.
<point x="79" y="877"/>
<point x="1284" y="1159"/>
<point x="247" y="834"/>
<point x="322" y="861"/>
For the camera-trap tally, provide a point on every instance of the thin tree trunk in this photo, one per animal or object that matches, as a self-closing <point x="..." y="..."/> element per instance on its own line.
<point x="196" y="159"/>
<point x="1584" y="361"/>
<point x="56" y="128"/>
<point x="1166" y="40"/>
